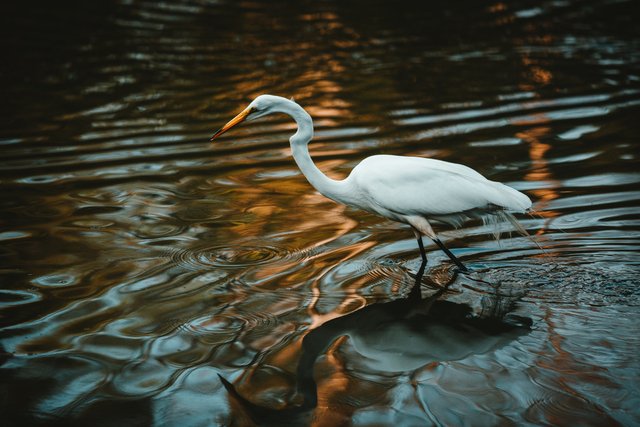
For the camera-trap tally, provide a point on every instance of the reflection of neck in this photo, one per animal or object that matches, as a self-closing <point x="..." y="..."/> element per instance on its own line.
<point x="335" y="190"/>
<point x="318" y="340"/>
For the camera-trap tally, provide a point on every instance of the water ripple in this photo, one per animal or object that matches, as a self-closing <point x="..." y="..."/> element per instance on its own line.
<point x="227" y="256"/>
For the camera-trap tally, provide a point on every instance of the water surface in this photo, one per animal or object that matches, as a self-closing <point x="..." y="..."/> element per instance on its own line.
<point x="139" y="262"/>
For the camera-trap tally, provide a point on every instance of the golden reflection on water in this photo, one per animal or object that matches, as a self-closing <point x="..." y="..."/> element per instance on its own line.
<point x="351" y="299"/>
<point x="540" y="171"/>
<point x="571" y="373"/>
<point x="335" y="383"/>
<point x="535" y="136"/>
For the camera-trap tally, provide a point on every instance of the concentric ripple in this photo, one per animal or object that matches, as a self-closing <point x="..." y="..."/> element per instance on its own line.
<point x="214" y="329"/>
<point x="229" y="256"/>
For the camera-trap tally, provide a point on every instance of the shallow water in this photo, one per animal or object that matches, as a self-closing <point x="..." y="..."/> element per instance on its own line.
<point x="139" y="262"/>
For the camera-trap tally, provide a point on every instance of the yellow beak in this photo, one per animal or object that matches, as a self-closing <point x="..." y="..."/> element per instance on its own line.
<point x="236" y="120"/>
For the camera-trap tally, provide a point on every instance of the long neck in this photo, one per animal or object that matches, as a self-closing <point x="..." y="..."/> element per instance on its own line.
<point x="300" y="149"/>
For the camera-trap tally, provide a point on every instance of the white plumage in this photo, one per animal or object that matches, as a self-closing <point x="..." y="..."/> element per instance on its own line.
<point x="412" y="190"/>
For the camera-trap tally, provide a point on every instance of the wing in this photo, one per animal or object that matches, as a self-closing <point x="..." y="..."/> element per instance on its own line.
<point x="426" y="187"/>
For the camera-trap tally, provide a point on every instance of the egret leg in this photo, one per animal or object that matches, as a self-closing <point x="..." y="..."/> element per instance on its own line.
<point x="421" y="245"/>
<point x="451" y="256"/>
<point x="415" y="291"/>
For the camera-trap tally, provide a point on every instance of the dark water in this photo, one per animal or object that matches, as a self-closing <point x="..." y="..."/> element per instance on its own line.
<point x="138" y="261"/>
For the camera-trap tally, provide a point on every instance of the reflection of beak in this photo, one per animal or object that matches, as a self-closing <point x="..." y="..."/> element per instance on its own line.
<point x="236" y="120"/>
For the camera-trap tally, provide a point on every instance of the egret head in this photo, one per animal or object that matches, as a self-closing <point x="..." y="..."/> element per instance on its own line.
<point x="261" y="106"/>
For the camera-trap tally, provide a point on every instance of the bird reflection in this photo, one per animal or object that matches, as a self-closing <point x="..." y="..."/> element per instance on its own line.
<point x="397" y="336"/>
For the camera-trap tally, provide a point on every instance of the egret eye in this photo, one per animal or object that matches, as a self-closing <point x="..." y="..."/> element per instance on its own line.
<point x="254" y="113"/>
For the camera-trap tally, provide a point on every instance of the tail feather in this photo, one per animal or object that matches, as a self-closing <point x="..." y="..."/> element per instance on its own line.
<point x="503" y="216"/>
<point x="498" y="217"/>
<point x="516" y="224"/>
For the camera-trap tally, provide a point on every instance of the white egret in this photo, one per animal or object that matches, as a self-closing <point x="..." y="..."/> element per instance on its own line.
<point x="412" y="190"/>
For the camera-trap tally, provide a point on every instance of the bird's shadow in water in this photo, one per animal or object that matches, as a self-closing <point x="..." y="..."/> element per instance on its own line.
<point x="397" y="336"/>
